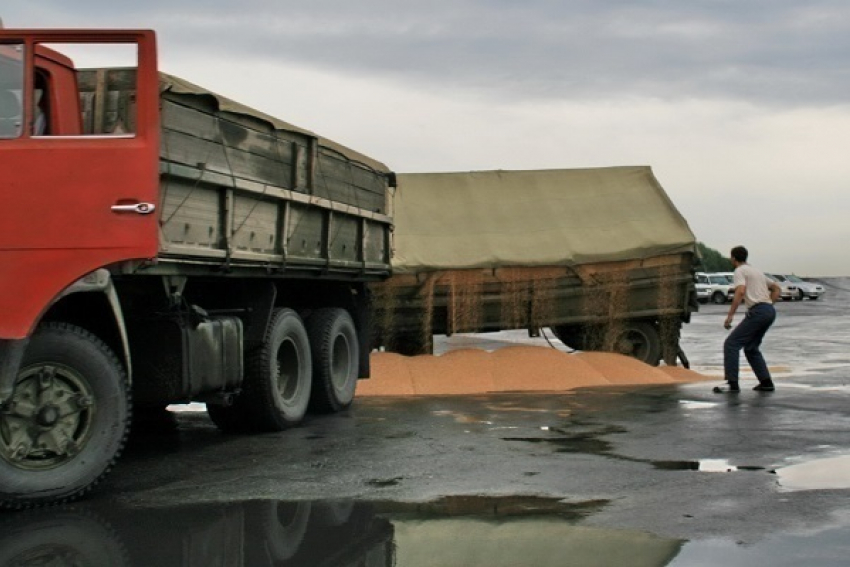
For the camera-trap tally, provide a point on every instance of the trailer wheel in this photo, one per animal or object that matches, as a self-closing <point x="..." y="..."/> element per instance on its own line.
<point x="640" y="340"/>
<point x="573" y="337"/>
<point x="411" y="344"/>
<point x="336" y="357"/>
<point x="229" y="419"/>
<point x="67" y="419"/>
<point x="278" y="377"/>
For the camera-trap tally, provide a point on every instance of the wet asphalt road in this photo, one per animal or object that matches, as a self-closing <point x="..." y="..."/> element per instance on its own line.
<point x="669" y="475"/>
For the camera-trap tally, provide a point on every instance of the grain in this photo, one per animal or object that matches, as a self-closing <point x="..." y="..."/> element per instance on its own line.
<point x="510" y="369"/>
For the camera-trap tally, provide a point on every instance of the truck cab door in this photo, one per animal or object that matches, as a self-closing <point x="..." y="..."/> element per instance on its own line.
<point x="75" y="196"/>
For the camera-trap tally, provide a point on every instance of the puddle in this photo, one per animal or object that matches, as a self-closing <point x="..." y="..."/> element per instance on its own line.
<point x="704" y="465"/>
<point x="452" y="531"/>
<point x="579" y="443"/>
<point x="821" y="474"/>
<point x="493" y="507"/>
<point x="693" y="404"/>
<point x="384" y="482"/>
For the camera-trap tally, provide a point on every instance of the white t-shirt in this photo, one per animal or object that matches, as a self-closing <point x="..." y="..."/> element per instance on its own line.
<point x="756" y="290"/>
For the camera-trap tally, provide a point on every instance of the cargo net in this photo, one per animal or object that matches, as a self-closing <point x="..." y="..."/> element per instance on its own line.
<point x="407" y="309"/>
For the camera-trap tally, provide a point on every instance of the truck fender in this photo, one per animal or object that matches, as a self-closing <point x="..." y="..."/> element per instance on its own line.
<point x="98" y="281"/>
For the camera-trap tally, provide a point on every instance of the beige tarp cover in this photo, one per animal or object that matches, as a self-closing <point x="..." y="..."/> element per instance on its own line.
<point x="490" y="219"/>
<point x="182" y="86"/>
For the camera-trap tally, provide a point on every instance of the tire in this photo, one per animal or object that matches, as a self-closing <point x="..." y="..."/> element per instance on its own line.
<point x="800" y="295"/>
<point x="718" y="298"/>
<point x="336" y="359"/>
<point x="278" y="378"/>
<point x="640" y="340"/>
<point x="573" y="337"/>
<point x="229" y="419"/>
<point x="410" y="344"/>
<point x="68" y="421"/>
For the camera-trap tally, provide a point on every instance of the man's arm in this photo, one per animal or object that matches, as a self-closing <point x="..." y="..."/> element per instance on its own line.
<point x="775" y="291"/>
<point x="736" y="301"/>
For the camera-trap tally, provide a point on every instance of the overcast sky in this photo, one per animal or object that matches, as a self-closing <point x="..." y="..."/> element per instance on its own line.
<point x="740" y="107"/>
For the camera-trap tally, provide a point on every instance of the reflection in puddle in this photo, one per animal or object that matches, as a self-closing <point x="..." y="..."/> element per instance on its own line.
<point x="821" y="474"/>
<point x="467" y="531"/>
<point x="541" y="542"/>
<point x="242" y="534"/>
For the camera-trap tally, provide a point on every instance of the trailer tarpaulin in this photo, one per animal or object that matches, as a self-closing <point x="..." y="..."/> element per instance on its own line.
<point x="559" y="217"/>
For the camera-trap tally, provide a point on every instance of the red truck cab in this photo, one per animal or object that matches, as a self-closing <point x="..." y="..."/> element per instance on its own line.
<point x="73" y="202"/>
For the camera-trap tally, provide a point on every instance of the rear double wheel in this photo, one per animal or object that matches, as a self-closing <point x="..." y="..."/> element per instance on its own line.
<point x="336" y="359"/>
<point x="278" y="380"/>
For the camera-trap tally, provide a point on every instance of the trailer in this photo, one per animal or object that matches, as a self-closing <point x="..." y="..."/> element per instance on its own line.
<point x="161" y="244"/>
<point x="601" y="257"/>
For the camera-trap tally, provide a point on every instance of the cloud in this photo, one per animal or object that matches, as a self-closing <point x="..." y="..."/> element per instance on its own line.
<point x="777" y="52"/>
<point x="739" y="107"/>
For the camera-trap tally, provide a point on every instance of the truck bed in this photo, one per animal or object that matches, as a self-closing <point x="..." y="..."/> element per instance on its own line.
<point x="569" y="249"/>
<point x="245" y="193"/>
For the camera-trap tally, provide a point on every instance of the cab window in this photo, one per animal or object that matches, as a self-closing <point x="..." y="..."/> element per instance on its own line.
<point x="11" y="89"/>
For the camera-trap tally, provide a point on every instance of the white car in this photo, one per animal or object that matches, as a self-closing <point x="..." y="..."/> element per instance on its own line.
<point x="789" y="290"/>
<point x="811" y="290"/>
<point x="713" y="287"/>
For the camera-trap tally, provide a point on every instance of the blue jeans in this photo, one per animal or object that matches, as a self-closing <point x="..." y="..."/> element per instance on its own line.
<point x="748" y="335"/>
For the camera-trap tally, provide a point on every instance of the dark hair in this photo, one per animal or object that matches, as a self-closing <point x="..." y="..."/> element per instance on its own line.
<point x="740" y="253"/>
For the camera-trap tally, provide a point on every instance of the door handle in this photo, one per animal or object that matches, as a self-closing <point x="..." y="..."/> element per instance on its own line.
<point x="139" y="208"/>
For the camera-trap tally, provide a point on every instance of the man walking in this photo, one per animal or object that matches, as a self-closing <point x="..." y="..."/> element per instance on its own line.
<point x="758" y="294"/>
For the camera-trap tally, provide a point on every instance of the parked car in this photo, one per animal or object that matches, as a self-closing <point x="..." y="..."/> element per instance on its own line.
<point x="789" y="290"/>
<point x="811" y="290"/>
<point x="712" y="287"/>
<point x="730" y="278"/>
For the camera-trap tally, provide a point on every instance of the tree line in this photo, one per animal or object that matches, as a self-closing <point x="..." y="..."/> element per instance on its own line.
<point x="712" y="260"/>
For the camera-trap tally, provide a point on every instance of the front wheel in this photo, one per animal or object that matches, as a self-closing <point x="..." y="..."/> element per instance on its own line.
<point x="718" y="298"/>
<point x="67" y="419"/>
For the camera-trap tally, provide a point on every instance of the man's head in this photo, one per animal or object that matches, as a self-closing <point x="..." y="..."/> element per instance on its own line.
<point x="739" y="255"/>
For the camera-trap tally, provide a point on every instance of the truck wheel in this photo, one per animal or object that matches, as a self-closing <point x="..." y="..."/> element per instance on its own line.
<point x="573" y="337"/>
<point x="640" y="340"/>
<point x="67" y="419"/>
<point x="278" y="376"/>
<point x="718" y="298"/>
<point x="410" y="344"/>
<point x="229" y="419"/>
<point x="336" y="357"/>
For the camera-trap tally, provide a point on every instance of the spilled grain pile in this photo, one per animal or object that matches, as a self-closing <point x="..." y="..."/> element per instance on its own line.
<point x="514" y="368"/>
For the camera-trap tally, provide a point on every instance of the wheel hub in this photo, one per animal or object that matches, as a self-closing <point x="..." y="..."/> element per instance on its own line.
<point x="47" y="416"/>
<point x="47" y="419"/>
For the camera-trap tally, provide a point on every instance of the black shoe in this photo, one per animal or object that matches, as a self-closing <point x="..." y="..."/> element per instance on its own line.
<point x="766" y="387"/>
<point x="732" y="388"/>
